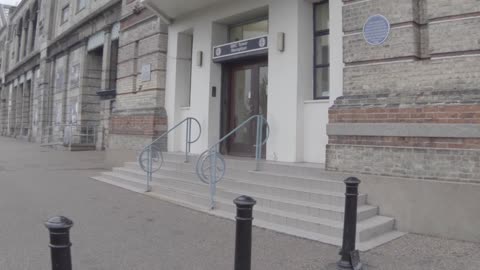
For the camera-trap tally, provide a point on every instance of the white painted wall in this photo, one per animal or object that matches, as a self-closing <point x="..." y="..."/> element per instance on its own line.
<point x="297" y="123"/>
<point x="316" y="111"/>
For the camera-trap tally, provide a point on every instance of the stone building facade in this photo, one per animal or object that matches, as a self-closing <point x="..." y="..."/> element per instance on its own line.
<point x="78" y="70"/>
<point x="139" y="114"/>
<point x="410" y="107"/>
<point x="69" y="66"/>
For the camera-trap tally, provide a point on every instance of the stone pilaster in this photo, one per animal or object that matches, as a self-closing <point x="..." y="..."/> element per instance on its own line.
<point x="29" y="36"/>
<point x="106" y="61"/>
<point x="23" y="41"/>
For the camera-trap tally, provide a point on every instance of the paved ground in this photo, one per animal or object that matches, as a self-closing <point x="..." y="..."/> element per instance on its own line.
<point x="117" y="229"/>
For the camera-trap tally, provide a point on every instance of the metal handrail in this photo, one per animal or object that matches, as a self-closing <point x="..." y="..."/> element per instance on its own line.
<point x="213" y="172"/>
<point x="151" y="157"/>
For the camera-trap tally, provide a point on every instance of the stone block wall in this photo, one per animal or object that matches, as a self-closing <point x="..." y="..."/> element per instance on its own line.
<point x="139" y="115"/>
<point x="76" y="15"/>
<point x="68" y="70"/>
<point x="411" y="107"/>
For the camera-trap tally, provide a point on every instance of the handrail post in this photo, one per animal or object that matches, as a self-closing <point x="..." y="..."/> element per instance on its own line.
<point x="149" y="173"/>
<point x="258" y="144"/>
<point x="213" y="176"/>
<point x="188" y="138"/>
<point x="70" y="139"/>
<point x="212" y="155"/>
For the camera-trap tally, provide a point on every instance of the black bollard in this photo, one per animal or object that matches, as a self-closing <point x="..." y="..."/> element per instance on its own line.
<point x="243" y="235"/>
<point x="350" y="227"/>
<point x="59" y="228"/>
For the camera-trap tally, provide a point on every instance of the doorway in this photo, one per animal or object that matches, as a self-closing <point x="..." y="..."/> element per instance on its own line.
<point x="247" y="84"/>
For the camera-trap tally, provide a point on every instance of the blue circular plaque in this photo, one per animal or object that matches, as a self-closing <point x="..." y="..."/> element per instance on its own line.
<point x="376" y="30"/>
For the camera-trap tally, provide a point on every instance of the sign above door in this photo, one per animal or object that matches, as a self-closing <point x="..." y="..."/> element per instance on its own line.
<point x="240" y="49"/>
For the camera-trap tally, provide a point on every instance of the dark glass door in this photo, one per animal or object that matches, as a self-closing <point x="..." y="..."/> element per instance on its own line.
<point x="248" y="96"/>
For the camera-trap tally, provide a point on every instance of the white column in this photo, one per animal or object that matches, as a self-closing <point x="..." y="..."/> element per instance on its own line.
<point x="336" y="50"/>
<point x="285" y="90"/>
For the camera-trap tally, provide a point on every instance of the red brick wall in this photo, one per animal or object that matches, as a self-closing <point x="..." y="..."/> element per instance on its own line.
<point x="145" y="125"/>
<point x="436" y="114"/>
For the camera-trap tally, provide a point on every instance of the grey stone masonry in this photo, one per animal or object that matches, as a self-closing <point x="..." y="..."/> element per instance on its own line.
<point x="406" y="77"/>
<point x="139" y="115"/>
<point x="421" y="83"/>
<point x="449" y="8"/>
<point x="421" y="163"/>
<point x="55" y="53"/>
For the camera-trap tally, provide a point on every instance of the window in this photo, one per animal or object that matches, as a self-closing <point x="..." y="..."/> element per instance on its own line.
<point x="65" y="13"/>
<point x="81" y="4"/>
<point x="321" y="50"/>
<point x="248" y="30"/>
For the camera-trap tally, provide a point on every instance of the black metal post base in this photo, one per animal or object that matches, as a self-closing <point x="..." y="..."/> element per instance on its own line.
<point x="59" y="229"/>
<point x="344" y="265"/>
<point x="350" y="257"/>
<point x="243" y="234"/>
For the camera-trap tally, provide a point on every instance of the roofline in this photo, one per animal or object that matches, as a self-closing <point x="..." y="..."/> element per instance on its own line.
<point x="17" y="7"/>
<point x="2" y="15"/>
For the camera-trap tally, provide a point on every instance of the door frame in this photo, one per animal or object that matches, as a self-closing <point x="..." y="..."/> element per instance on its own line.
<point x="227" y="108"/>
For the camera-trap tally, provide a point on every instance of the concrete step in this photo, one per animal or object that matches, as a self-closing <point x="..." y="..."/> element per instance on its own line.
<point x="297" y="169"/>
<point x="307" y="207"/>
<point x="135" y="183"/>
<point x="234" y="165"/>
<point x="120" y="183"/>
<point x="259" y="177"/>
<point x="280" y="171"/>
<point x="198" y="195"/>
<point x="282" y="193"/>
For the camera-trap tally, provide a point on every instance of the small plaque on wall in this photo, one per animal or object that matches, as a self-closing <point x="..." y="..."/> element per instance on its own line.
<point x="376" y="30"/>
<point x="146" y="72"/>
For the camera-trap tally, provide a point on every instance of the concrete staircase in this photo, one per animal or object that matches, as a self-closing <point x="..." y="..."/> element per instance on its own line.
<point x="298" y="199"/>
